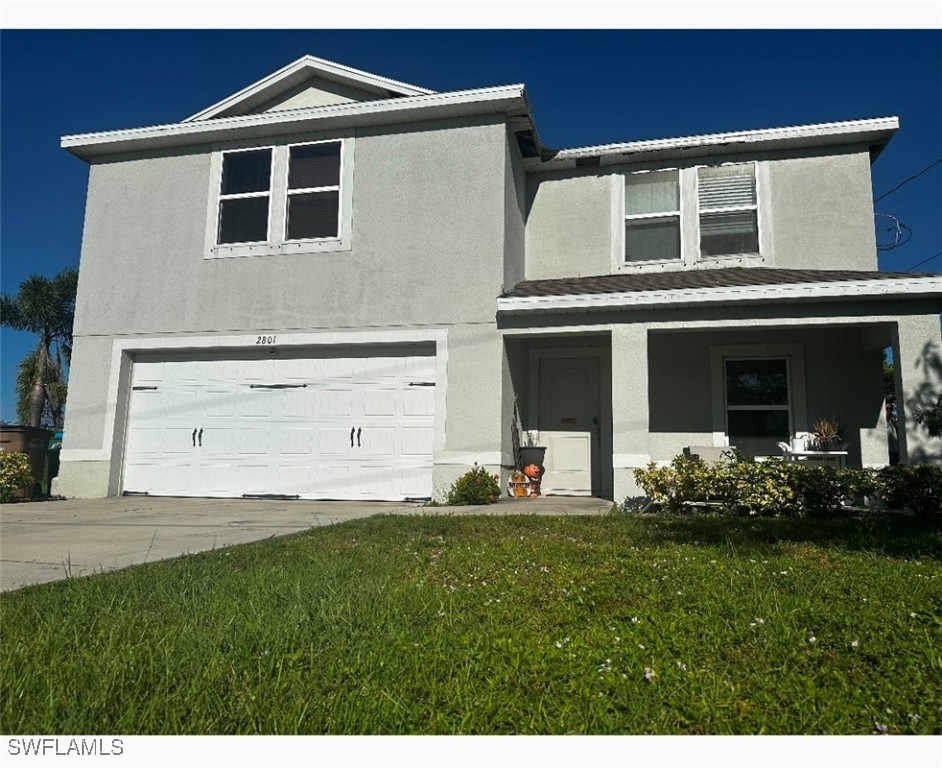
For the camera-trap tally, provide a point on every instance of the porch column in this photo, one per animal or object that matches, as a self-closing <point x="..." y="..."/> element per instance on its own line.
<point x="917" y="360"/>
<point x="630" y="410"/>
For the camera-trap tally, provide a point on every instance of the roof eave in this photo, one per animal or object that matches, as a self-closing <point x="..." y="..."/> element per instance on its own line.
<point x="916" y="287"/>
<point x="872" y="132"/>
<point x="501" y="100"/>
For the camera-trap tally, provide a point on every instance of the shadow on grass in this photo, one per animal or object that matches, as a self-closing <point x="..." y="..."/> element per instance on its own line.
<point x="890" y="535"/>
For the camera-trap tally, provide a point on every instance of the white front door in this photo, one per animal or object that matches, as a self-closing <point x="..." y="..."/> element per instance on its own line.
<point x="318" y="427"/>
<point x="569" y="417"/>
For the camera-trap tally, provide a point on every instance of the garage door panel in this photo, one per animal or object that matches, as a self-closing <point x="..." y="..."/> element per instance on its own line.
<point x="418" y="368"/>
<point x="418" y="401"/>
<point x="337" y="368"/>
<point x="218" y="404"/>
<point x="377" y="441"/>
<point x="177" y="440"/>
<point x="255" y="478"/>
<point x="379" y="402"/>
<point x="332" y="402"/>
<point x="379" y="481"/>
<point x="254" y="442"/>
<point x="297" y="441"/>
<point x="255" y="403"/>
<point x="333" y="481"/>
<point x="417" y="441"/>
<point x="257" y="371"/>
<point x="217" y="478"/>
<point x="290" y="433"/>
<point x="334" y="441"/>
<point x="294" y="479"/>
<point x="297" y="404"/>
<point x="218" y="441"/>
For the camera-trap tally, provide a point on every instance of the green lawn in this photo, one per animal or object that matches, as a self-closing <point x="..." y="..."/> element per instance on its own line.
<point x="616" y="624"/>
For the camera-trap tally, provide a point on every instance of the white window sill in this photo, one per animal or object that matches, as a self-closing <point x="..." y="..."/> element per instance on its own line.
<point x="298" y="247"/>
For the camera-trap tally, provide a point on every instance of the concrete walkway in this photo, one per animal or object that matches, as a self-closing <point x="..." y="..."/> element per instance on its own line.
<point x="48" y="541"/>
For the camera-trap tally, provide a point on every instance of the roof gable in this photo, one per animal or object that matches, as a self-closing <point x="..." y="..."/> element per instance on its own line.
<point x="308" y="82"/>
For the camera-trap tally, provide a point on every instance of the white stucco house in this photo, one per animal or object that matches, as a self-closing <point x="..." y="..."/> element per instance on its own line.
<point x="336" y="285"/>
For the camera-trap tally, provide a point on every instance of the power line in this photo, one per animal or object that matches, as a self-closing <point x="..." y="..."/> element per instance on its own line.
<point x="904" y="183"/>
<point x="924" y="261"/>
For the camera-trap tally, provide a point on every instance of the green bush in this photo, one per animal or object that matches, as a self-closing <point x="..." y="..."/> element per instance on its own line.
<point x="758" y="488"/>
<point x="476" y="486"/>
<point x="824" y="490"/>
<point x="774" y="487"/>
<point x="686" y="479"/>
<point x="919" y="488"/>
<point x="15" y="473"/>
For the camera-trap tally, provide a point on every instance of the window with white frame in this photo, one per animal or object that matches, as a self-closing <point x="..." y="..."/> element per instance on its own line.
<point x="758" y="402"/>
<point x="245" y="197"/>
<point x="728" y="210"/>
<point x="652" y="217"/>
<point x="292" y="198"/>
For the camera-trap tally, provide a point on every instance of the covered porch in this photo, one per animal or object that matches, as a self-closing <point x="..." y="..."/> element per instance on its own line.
<point x="612" y="388"/>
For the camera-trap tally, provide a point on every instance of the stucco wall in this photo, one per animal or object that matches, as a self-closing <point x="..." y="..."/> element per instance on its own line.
<point x="426" y="245"/>
<point x="815" y="212"/>
<point x="569" y="229"/>
<point x="822" y="212"/>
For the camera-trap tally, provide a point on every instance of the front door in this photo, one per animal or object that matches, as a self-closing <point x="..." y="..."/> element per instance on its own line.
<point x="568" y="419"/>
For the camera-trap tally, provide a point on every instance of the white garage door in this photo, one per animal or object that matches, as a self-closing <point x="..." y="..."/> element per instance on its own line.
<point x="312" y="426"/>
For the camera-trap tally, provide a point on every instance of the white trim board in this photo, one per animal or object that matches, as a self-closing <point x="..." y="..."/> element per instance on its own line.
<point x="886" y="288"/>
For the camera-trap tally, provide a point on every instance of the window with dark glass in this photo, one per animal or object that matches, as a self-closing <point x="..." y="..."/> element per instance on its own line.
<point x="757" y="399"/>
<point x="244" y="197"/>
<point x="313" y="191"/>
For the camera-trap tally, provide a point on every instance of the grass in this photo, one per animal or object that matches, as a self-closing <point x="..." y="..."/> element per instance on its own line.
<point x="617" y="624"/>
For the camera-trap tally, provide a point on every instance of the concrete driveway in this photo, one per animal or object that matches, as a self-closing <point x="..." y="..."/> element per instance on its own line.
<point x="48" y="541"/>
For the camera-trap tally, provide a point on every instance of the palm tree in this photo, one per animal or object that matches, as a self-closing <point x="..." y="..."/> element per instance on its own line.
<point x="44" y="306"/>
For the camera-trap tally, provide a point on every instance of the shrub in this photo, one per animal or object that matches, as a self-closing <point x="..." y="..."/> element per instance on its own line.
<point x="476" y="486"/>
<point x="919" y="488"/>
<point x="824" y="490"/>
<point x="15" y="472"/>
<point x="686" y="479"/>
<point x="759" y="488"/>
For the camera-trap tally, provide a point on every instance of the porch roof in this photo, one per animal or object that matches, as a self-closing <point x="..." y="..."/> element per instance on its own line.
<point x="709" y="286"/>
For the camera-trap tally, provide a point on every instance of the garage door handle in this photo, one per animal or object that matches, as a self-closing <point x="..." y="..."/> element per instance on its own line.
<point x="358" y="436"/>
<point x="352" y="432"/>
<point x="200" y="437"/>
<point x="194" y="437"/>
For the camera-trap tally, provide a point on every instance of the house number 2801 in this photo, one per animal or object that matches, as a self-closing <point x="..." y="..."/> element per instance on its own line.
<point x="266" y="339"/>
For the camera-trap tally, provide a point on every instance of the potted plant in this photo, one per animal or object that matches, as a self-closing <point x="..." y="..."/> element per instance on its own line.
<point x="826" y="435"/>
<point x="531" y="452"/>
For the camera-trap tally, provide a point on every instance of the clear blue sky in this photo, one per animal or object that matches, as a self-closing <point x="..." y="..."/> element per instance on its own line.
<point x="585" y="87"/>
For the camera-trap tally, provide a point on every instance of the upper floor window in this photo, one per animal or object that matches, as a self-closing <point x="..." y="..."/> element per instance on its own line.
<point x="313" y="191"/>
<point x="652" y="216"/>
<point x="295" y="198"/>
<point x="245" y="197"/>
<point x="728" y="210"/>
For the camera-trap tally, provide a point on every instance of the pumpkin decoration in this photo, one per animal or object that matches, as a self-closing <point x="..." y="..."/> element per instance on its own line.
<point x="532" y="471"/>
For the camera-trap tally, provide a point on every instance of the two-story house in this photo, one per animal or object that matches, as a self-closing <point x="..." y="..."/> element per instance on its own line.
<point x="335" y="285"/>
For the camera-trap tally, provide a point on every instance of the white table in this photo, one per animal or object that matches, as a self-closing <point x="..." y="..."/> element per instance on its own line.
<point x="817" y="457"/>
